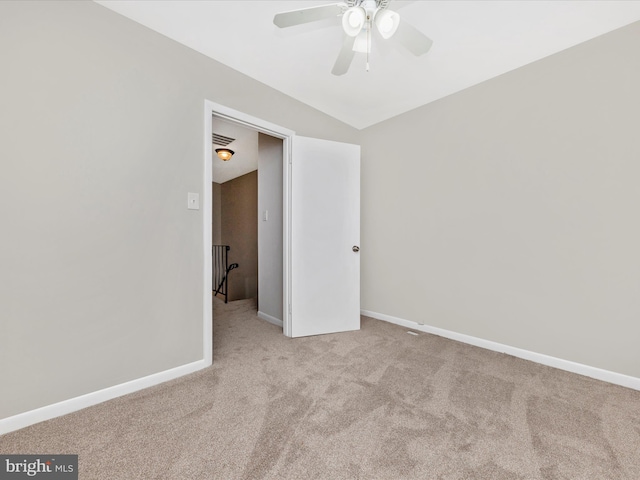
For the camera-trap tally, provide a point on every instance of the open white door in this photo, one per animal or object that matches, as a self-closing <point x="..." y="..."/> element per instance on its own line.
<point x="325" y="237"/>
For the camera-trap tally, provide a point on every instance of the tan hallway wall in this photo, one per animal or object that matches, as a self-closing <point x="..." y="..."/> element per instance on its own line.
<point x="239" y="227"/>
<point x="216" y="220"/>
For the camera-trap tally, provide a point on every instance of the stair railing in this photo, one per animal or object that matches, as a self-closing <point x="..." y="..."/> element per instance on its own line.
<point x="221" y="269"/>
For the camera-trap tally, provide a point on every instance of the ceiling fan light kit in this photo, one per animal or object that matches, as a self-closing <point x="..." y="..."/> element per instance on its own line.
<point x="358" y="18"/>
<point x="387" y="22"/>
<point x="353" y="21"/>
<point x="362" y="43"/>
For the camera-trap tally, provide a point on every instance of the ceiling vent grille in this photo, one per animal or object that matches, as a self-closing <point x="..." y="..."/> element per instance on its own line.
<point x="221" y="139"/>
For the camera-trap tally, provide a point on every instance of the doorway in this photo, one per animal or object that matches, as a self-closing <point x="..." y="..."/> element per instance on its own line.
<point x="283" y="136"/>
<point x="324" y="184"/>
<point x="247" y="220"/>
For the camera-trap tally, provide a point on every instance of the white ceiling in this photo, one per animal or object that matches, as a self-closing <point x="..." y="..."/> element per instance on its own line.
<point x="473" y="41"/>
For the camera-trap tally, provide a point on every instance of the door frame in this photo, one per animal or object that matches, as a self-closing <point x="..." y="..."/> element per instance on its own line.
<point x="212" y="109"/>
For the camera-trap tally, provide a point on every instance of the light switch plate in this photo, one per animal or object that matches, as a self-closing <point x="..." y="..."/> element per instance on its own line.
<point x="193" y="201"/>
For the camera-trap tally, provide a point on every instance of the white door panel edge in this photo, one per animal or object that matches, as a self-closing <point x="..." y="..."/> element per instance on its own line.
<point x="324" y="226"/>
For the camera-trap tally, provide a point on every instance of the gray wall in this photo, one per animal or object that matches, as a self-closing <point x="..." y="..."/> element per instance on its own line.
<point x="512" y="208"/>
<point x="239" y="226"/>
<point x="270" y="242"/>
<point x="102" y="138"/>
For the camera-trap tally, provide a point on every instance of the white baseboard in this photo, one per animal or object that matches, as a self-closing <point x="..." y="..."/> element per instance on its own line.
<point x="48" y="412"/>
<point x="270" y="319"/>
<point x="586" y="370"/>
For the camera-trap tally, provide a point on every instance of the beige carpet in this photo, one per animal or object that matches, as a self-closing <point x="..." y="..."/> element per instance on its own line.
<point x="373" y="404"/>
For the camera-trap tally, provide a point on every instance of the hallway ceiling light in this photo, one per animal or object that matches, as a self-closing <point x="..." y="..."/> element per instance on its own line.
<point x="224" y="153"/>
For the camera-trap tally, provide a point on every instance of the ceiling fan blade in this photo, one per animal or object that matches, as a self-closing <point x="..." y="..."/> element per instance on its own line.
<point x="412" y="39"/>
<point x="345" y="57"/>
<point x="306" y="15"/>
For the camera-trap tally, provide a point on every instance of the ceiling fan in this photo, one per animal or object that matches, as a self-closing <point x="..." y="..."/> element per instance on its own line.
<point x="358" y="19"/>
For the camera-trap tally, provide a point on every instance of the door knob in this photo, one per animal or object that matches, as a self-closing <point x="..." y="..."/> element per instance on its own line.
<point x="356" y="248"/>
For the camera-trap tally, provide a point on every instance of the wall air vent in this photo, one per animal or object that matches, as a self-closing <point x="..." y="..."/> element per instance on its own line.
<point x="221" y="139"/>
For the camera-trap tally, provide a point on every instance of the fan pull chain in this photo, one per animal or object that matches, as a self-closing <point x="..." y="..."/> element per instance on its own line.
<point x="368" y="40"/>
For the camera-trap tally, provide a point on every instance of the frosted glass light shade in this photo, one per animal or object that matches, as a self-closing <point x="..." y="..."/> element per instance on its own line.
<point x="353" y="20"/>
<point x="387" y="22"/>
<point x="362" y="44"/>
<point x="224" y="154"/>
